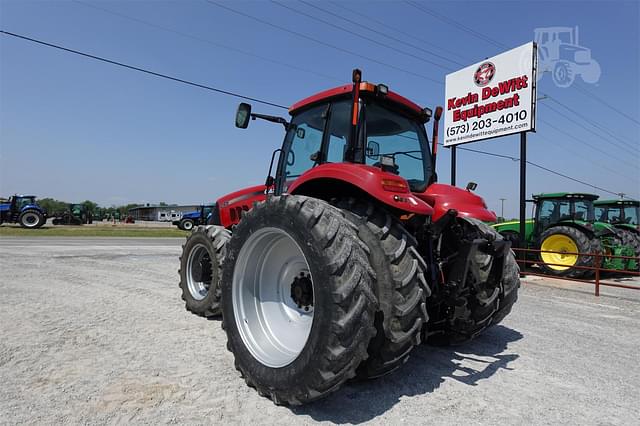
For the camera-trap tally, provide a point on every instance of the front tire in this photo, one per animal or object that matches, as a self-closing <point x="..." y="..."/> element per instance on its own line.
<point x="31" y="219"/>
<point x="298" y="299"/>
<point x="201" y="268"/>
<point x="186" y="224"/>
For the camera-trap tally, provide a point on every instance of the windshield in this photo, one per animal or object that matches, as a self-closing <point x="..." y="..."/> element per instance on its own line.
<point x="583" y="210"/>
<point x="24" y="201"/>
<point x="565" y="37"/>
<point x="391" y="134"/>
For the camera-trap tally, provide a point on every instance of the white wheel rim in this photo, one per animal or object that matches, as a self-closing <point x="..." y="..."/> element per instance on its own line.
<point x="30" y="220"/>
<point x="273" y="325"/>
<point x="198" y="259"/>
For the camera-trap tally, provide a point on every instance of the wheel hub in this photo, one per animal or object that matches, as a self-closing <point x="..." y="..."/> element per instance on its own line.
<point x="302" y="291"/>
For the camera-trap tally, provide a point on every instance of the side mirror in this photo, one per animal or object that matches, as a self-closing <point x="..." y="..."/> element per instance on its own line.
<point x="373" y="150"/>
<point x="243" y="115"/>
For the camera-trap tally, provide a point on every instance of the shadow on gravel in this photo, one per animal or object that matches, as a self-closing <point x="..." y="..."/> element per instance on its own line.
<point x="426" y="369"/>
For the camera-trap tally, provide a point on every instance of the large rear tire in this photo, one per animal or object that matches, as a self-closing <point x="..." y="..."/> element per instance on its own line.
<point x="201" y="269"/>
<point x="566" y="240"/>
<point x="401" y="287"/>
<point x="480" y="304"/>
<point x="31" y="219"/>
<point x="298" y="299"/>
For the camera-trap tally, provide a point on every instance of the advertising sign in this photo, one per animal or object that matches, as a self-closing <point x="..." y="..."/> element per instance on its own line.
<point x="494" y="97"/>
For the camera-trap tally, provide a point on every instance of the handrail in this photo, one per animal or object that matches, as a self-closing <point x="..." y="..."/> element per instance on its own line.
<point x="597" y="269"/>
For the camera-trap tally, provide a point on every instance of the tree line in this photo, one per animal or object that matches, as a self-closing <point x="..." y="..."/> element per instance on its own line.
<point x="53" y="206"/>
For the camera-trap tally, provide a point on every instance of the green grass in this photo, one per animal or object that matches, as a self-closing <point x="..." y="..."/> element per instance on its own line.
<point x="91" y="231"/>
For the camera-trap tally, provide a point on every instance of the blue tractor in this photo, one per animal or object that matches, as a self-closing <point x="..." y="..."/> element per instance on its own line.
<point x="199" y="217"/>
<point x="22" y="209"/>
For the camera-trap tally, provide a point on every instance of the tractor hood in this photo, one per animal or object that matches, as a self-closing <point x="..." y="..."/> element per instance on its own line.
<point x="444" y="197"/>
<point x="191" y="215"/>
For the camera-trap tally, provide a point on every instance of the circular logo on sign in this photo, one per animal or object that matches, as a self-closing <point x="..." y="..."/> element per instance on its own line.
<point x="484" y="74"/>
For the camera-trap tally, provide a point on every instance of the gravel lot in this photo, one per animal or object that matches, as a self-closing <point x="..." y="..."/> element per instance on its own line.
<point x="93" y="331"/>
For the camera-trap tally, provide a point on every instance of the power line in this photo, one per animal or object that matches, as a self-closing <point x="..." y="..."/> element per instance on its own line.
<point x="350" y="52"/>
<point x="540" y="167"/>
<point x="207" y="41"/>
<point x="595" y="148"/>
<point x="576" y="152"/>
<point x="399" y="31"/>
<point x="603" y="102"/>
<point x="592" y="123"/>
<point x="582" y="126"/>
<point x="369" y="39"/>
<point x="131" y="67"/>
<point x="571" y="178"/>
<point x="359" y="25"/>
<point x="456" y="24"/>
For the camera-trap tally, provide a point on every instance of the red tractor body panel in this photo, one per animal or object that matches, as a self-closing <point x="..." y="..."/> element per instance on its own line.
<point x="387" y="188"/>
<point x="232" y="206"/>
<point x="346" y="90"/>
<point x="444" y="197"/>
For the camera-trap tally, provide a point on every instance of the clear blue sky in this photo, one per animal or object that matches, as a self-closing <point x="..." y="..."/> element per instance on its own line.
<point x="74" y="129"/>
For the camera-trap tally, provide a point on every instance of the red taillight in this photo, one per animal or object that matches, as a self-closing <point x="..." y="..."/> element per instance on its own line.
<point x="393" y="185"/>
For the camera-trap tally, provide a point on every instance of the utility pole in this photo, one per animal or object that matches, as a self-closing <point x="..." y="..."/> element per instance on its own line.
<point x="502" y="207"/>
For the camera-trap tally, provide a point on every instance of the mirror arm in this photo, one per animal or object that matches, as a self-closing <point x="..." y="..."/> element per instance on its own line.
<point x="271" y="118"/>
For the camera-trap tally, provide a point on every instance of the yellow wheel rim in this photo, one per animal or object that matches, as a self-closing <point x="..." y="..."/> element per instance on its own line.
<point x="562" y="244"/>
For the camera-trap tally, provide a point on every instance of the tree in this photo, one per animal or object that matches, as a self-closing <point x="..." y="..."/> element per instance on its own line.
<point x="90" y="206"/>
<point x="53" y="206"/>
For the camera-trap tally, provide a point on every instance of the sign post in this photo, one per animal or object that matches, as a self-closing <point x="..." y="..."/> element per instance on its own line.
<point x="492" y="98"/>
<point x="453" y="165"/>
<point x="523" y="198"/>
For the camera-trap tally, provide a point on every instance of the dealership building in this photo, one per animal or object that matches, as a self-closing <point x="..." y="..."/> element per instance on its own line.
<point x="160" y="213"/>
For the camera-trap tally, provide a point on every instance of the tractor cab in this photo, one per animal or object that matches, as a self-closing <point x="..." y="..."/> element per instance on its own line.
<point x="20" y="201"/>
<point x="618" y="212"/>
<point x="551" y="209"/>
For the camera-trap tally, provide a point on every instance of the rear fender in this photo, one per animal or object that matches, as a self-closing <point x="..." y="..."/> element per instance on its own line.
<point x="346" y="179"/>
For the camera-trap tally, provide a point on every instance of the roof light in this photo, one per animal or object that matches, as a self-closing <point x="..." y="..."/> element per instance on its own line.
<point x="383" y="90"/>
<point x="427" y="113"/>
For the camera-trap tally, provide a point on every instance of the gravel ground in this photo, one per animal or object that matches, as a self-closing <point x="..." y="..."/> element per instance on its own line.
<point x="93" y="331"/>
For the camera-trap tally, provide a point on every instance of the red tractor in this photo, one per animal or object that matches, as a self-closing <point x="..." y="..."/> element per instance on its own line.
<point x="351" y="255"/>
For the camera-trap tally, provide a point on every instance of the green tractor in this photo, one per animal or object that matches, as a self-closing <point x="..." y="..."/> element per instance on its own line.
<point x="76" y="214"/>
<point x="623" y="214"/>
<point x="565" y="223"/>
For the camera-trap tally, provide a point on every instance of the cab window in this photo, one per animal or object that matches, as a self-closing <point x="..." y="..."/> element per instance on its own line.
<point x="553" y="211"/>
<point x="397" y="136"/>
<point x="304" y="139"/>
<point x="339" y="128"/>
<point x="631" y="215"/>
